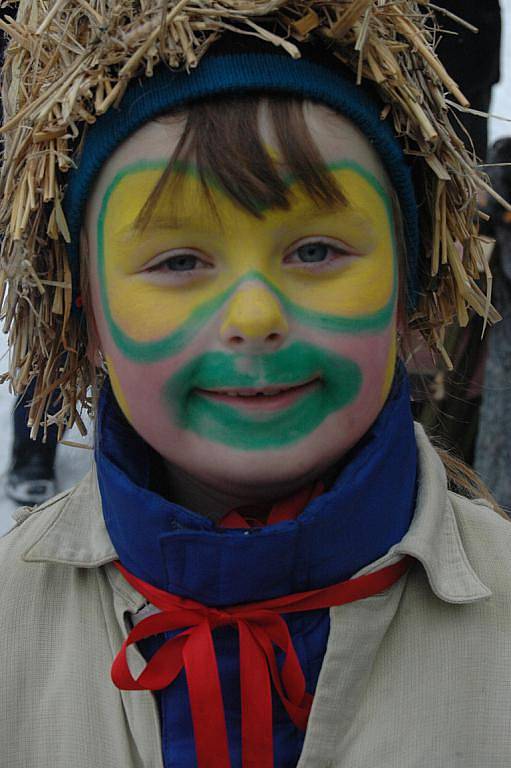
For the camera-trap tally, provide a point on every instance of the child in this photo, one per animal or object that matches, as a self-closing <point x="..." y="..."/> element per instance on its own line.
<point x="266" y="558"/>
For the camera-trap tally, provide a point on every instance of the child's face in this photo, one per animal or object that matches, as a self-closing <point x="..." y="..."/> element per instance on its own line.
<point x="246" y="351"/>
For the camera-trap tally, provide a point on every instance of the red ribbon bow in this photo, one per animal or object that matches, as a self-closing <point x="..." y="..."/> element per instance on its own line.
<point x="261" y="628"/>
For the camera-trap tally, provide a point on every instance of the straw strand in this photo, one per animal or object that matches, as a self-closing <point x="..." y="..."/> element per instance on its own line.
<point x="69" y="61"/>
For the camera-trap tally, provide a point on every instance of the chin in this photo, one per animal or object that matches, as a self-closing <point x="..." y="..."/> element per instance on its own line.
<point x="261" y="473"/>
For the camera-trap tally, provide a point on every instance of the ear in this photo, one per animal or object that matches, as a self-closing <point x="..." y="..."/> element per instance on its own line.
<point x="402" y="328"/>
<point x="402" y="317"/>
<point x="94" y="353"/>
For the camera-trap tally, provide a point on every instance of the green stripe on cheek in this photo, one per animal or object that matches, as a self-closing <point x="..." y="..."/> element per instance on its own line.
<point x="219" y="422"/>
<point x="152" y="351"/>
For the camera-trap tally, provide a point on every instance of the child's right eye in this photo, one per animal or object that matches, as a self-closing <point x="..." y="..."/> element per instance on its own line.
<point x="183" y="262"/>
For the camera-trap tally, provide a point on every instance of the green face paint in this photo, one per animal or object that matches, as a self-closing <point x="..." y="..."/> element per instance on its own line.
<point x="217" y="421"/>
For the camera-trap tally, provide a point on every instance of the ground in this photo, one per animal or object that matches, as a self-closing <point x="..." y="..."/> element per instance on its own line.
<point x="72" y="463"/>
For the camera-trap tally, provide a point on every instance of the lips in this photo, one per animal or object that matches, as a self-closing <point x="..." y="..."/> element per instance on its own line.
<point x="267" y="398"/>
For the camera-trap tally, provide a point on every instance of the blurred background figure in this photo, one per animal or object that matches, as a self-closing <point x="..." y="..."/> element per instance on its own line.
<point x="473" y="60"/>
<point x="493" y="447"/>
<point x="31" y="473"/>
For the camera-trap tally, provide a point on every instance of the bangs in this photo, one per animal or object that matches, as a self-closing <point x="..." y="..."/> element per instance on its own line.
<point x="222" y="140"/>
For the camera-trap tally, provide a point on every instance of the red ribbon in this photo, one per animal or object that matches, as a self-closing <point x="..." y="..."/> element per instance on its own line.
<point x="261" y="628"/>
<point x="256" y="516"/>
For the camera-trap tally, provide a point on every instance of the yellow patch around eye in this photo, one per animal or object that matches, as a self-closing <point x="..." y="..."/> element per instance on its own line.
<point x="239" y="244"/>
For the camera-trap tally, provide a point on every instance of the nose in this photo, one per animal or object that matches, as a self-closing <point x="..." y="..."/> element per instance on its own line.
<point x="254" y="320"/>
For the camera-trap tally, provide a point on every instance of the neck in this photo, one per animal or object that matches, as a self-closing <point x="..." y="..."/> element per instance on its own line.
<point x="212" y="502"/>
<point x="197" y="496"/>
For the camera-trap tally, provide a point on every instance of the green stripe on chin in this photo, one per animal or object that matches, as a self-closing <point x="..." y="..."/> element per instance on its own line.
<point x="339" y="385"/>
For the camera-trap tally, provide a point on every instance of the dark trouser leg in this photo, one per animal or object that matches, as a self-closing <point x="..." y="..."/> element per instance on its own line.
<point x="30" y="478"/>
<point x="477" y="127"/>
<point x="22" y="442"/>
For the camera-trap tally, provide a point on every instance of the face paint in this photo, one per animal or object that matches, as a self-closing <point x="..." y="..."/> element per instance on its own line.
<point x="117" y="388"/>
<point x="257" y="312"/>
<point x="168" y="317"/>
<point x="197" y="395"/>
<point x="189" y="350"/>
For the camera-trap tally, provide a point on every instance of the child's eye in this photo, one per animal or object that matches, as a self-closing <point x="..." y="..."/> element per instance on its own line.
<point x="312" y="252"/>
<point x="318" y="252"/>
<point x="184" y="262"/>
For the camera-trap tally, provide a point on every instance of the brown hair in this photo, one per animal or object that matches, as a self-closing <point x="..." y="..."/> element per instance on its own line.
<point x="464" y="480"/>
<point x="223" y="139"/>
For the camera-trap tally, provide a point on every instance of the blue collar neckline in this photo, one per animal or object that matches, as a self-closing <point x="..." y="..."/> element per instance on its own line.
<point x="367" y="510"/>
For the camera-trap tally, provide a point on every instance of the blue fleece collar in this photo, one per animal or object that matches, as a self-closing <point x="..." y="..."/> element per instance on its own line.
<point x="367" y="510"/>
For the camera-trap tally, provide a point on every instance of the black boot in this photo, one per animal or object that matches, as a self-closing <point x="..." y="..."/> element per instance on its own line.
<point x="31" y="474"/>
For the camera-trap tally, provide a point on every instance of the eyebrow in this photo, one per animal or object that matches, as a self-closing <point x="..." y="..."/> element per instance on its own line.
<point x="173" y="222"/>
<point x="170" y="222"/>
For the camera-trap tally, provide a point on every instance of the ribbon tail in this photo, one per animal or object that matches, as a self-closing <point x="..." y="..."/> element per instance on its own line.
<point x="206" y="701"/>
<point x="290" y="684"/>
<point x="121" y="673"/>
<point x="256" y="703"/>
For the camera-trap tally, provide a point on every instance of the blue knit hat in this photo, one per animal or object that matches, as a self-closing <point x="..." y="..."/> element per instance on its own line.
<point x="233" y="66"/>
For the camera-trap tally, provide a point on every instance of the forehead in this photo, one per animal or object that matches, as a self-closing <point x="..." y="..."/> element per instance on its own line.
<point x="335" y="137"/>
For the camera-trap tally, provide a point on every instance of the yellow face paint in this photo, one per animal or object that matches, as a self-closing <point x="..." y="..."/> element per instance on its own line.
<point x="116" y="387"/>
<point x="238" y="247"/>
<point x="255" y="312"/>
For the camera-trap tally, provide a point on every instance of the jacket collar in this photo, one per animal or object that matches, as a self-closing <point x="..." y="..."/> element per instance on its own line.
<point x="71" y="530"/>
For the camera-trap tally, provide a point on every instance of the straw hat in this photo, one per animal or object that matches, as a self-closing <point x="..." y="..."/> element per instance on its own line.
<point x="70" y="61"/>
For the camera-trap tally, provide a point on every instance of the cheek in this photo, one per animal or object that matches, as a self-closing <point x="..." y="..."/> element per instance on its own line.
<point x="139" y="390"/>
<point x="374" y="353"/>
<point x="136" y="386"/>
<point x="390" y="365"/>
<point x="118" y="390"/>
<point x="376" y="357"/>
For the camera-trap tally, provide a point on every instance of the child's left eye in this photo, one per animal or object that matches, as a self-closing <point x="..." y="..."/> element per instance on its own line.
<point x="317" y="252"/>
<point x="312" y="252"/>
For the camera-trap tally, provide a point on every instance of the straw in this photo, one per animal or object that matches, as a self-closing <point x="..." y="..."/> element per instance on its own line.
<point x="69" y="61"/>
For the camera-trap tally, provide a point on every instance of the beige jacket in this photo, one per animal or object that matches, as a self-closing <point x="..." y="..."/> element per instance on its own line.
<point x="416" y="677"/>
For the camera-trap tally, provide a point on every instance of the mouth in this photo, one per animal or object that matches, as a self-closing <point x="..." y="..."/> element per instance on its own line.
<point x="266" y="398"/>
